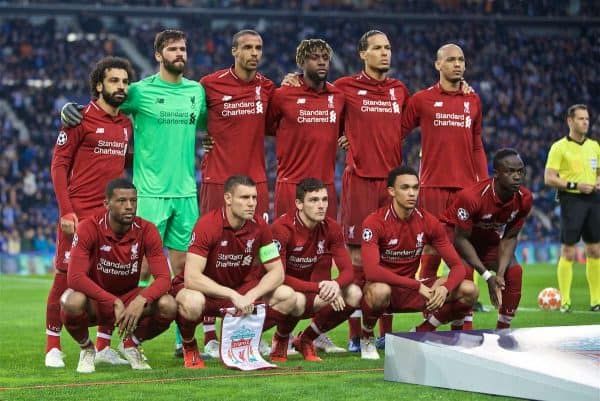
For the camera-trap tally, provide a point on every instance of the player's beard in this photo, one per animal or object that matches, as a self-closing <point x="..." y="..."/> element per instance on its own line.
<point x="172" y="68"/>
<point x="111" y="99"/>
<point x="315" y="77"/>
<point x="382" y="70"/>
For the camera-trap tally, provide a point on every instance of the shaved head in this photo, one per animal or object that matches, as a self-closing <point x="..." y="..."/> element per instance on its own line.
<point x="442" y="50"/>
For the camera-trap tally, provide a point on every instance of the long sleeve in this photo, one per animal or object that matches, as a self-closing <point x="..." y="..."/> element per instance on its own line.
<point x="479" y="157"/>
<point x="66" y="147"/>
<point x="342" y="260"/>
<point x="158" y="266"/>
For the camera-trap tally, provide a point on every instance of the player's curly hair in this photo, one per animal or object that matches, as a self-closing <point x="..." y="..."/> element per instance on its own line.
<point x="168" y="35"/>
<point x="99" y="72"/>
<point x="308" y="47"/>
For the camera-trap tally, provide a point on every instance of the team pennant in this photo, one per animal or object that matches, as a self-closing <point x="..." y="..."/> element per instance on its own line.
<point x="240" y="340"/>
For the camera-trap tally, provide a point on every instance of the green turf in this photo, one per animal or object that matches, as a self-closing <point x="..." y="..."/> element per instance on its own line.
<point x="22" y="339"/>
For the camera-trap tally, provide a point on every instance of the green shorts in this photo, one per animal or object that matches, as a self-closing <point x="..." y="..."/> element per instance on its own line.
<point x="174" y="217"/>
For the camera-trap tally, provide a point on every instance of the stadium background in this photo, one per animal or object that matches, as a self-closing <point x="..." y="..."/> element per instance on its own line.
<point x="527" y="60"/>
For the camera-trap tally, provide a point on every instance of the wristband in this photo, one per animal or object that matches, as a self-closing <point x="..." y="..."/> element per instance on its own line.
<point x="486" y="275"/>
<point x="571" y="185"/>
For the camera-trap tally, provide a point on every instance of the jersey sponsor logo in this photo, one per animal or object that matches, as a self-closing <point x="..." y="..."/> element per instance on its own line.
<point x="241" y="108"/>
<point x="451" y="120"/>
<point x="367" y="234"/>
<point x="224" y="242"/>
<point x="438" y="104"/>
<point x="134" y="251"/>
<point x="301" y="101"/>
<point x="379" y="106"/>
<point x="111" y="148"/>
<point x="393" y="241"/>
<point x="361" y="92"/>
<point x="321" y="247"/>
<point x="247" y="260"/>
<point x="115" y="268"/>
<point x="462" y="214"/>
<point x="62" y="138"/>
<point x="105" y="248"/>
<point x="316" y="116"/>
<point x="227" y="98"/>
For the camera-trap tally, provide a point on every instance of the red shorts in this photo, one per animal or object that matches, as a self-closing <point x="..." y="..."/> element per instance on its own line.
<point x="437" y="200"/>
<point x="408" y="300"/>
<point x="211" y="197"/>
<point x="360" y="196"/>
<point x="105" y="313"/>
<point x="64" y="241"/>
<point x="213" y="306"/>
<point x="309" y="308"/>
<point x="285" y="199"/>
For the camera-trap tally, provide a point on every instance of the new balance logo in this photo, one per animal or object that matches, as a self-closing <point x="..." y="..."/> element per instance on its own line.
<point x="362" y="92"/>
<point x="438" y="104"/>
<point x="100" y="130"/>
<point x="105" y="248"/>
<point x="301" y="101"/>
<point x="160" y="100"/>
<point x="226" y="98"/>
<point x="224" y="243"/>
<point x="298" y="249"/>
<point x="393" y="241"/>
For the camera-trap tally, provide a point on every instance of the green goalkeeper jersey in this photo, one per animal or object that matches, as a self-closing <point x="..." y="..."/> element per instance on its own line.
<point x="165" y="116"/>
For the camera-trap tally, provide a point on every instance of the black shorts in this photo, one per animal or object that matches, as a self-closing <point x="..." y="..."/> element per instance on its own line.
<point x="579" y="218"/>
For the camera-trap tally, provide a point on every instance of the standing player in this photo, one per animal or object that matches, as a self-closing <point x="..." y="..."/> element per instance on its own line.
<point x="393" y="239"/>
<point x="167" y="110"/>
<point x="453" y="155"/>
<point x="307" y="121"/>
<point x="487" y="218"/>
<point x="372" y="126"/>
<point x="229" y="250"/>
<point x="85" y="159"/>
<point x="237" y="99"/>
<point x="308" y="241"/>
<point x="103" y="279"/>
<point x="572" y="168"/>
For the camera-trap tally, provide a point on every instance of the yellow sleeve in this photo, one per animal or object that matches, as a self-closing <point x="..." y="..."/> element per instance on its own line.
<point x="554" y="157"/>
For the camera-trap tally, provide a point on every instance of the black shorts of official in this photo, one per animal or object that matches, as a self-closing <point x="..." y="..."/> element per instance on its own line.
<point x="579" y="218"/>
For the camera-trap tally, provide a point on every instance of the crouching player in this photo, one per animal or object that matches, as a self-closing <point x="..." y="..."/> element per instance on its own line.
<point x="229" y="249"/>
<point x="487" y="218"/>
<point x="308" y="241"/>
<point x="393" y="238"/>
<point x="103" y="276"/>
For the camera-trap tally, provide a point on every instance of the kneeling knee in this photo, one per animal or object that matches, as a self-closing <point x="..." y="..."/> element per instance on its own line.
<point x="377" y="294"/>
<point x="167" y="307"/>
<point x="469" y="292"/>
<point x="353" y="295"/>
<point x="73" y="301"/>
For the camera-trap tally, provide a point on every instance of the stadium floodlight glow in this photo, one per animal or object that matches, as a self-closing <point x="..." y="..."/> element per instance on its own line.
<point x="72" y="37"/>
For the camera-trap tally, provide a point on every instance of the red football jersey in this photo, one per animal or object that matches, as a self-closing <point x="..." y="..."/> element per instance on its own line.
<point x="236" y="121"/>
<point x="372" y="123"/>
<point x="86" y="158"/>
<point x="479" y="209"/>
<point x="392" y="247"/>
<point x="231" y="255"/>
<point x="103" y="266"/>
<point x="451" y="146"/>
<point x="307" y="254"/>
<point x="307" y="125"/>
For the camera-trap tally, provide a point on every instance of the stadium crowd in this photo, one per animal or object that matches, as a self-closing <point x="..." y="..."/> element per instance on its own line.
<point x="526" y="78"/>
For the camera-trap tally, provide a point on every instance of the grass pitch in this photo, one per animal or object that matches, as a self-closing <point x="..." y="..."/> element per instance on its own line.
<point x="340" y="377"/>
